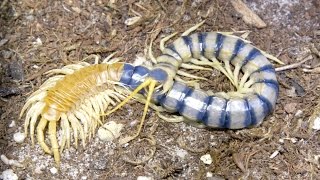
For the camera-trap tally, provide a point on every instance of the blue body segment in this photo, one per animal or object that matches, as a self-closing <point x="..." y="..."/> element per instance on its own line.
<point x="159" y="74"/>
<point x="237" y="48"/>
<point x="187" y="40"/>
<point x="138" y="76"/>
<point x="127" y="73"/>
<point x="253" y="54"/>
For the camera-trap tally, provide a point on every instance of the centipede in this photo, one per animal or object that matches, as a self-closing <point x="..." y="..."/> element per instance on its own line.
<point x="78" y="95"/>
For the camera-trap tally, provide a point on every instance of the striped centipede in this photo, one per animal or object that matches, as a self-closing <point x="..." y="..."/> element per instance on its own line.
<point x="79" y="96"/>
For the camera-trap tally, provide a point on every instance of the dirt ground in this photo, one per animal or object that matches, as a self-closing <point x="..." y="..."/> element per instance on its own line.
<point x="36" y="36"/>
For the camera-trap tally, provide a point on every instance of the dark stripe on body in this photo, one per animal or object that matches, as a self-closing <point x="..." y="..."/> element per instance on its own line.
<point x="237" y="47"/>
<point x="252" y="54"/>
<point x="201" y="116"/>
<point x="219" y="42"/>
<point x="127" y="72"/>
<point x="173" y="48"/>
<point x="188" y="41"/>
<point x="271" y="83"/>
<point x="250" y="116"/>
<point x="224" y="119"/>
<point x="268" y="106"/>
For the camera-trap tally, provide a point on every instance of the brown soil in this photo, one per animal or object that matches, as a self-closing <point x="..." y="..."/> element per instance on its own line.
<point x="36" y="36"/>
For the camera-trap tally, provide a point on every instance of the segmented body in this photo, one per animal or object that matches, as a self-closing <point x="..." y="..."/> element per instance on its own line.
<point x="222" y="110"/>
<point x="77" y="97"/>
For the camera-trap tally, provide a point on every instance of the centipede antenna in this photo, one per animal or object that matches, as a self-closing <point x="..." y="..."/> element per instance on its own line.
<point x="269" y="56"/>
<point x="164" y="40"/>
<point x="193" y="28"/>
<point x="136" y="91"/>
<point x="151" y="84"/>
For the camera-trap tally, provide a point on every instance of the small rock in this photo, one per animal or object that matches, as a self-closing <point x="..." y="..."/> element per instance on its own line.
<point x="299" y="114"/>
<point x="316" y="124"/>
<point x="209" y="174"/>
<point x="38" y="170"/>
<point x="290" y="108"/>
<point x="16" y="70"/>
<point x="181" y="153"/>
<point x="206" y="159"/>
<point x="53" y="170"/>
<point x="274" y="154"/>
<point x="8" y="175"/>
<point x="3" y="42"/>
<point x="100" y="164"/>
<point x="19" y="137"/>
<point x="144" y="178"/>
<point x="8" y="91"/>
<point x="132" y="20"/>
<point x="12" y="124"/>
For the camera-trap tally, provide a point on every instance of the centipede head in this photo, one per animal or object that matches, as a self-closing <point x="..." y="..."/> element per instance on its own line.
<point x="163" y="78"/>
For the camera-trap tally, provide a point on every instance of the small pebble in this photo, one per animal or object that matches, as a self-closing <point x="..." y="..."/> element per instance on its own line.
<point x="209" y="174"/>
<point x="316" y="124"/>
<point x="206" y="159"/>
<point x="273" y="155"/>
<point x="53" y="170"/>
<point x="290" y="108"/>
<point x="8" y="175"/>
<point x="19" y="137"/>
<point x="144" y="178"/>
<point x="12" y="124"/>
<point x="299" y="113"/>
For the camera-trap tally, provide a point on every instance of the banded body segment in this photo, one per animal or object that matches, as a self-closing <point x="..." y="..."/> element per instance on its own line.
<point x="258" y="81"/>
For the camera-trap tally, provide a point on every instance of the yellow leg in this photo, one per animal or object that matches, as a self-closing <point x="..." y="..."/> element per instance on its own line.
<point x="54" y="141"/>
<point x="193" y="28"/>
<point x="148" y="82"/>
<point x="40" y="136"/>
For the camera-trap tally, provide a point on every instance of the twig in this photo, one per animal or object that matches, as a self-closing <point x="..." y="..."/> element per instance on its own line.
<point x="295" y="65"/>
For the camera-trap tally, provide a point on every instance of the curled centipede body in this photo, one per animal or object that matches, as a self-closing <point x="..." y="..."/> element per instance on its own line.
<point x="79" y="96"/>
<point x="257" y="90"/>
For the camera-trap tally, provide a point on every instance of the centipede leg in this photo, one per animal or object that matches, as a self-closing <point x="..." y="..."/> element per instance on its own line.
<point x="164" y="40"/>
<point x="193" y="28"/>
<point x="53" y="139"/>
<point x="40" y="136"/>
<point x="182" y="73"/>
<point x="174" y="119"/>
